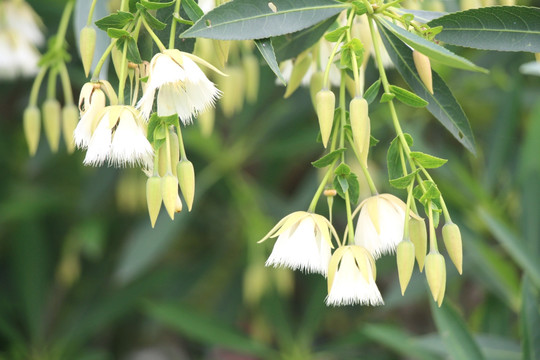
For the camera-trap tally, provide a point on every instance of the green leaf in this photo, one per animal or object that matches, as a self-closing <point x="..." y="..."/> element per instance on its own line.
<point x="407" y="97"/>
<point x="393" y="157"/>
<point x="334" y="36"/>
<point x="231" y="20"/>
<point x="386" y="97"/>
<point x="442" y="103"/>
<point x="427" y="161"/>
<point x="204" y="329"/>
<point x="117" y="33"/>
<point x="459" y="342"/>
<point x="502" y="28"/>
<point x="192" y="10"/>
<point x="354" y="188"/>
<point x="530" y="320"/>
<point x="372" y="92"/>
<point x="359" y="7"/>
<point x="133" y="54"/>
<point x="328" y="158"/>
<point x="342" y="170"/>
<point x="429" y="192"/>
<point x="350" y="49"/>
<point x="430" y="49"/>
<point x="422" y="16"/>
<point x="151" y="19"/>
<point x="154" y="5"/>
<point x="290" y="45"/>
<point x="116" y="21"/>
<point x="404" y="181"/>
<point x="267" y="51"/>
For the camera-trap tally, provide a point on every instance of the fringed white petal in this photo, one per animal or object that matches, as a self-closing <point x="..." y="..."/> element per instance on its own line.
<point x="100" y="143"/>
<point x="129" y="144"/>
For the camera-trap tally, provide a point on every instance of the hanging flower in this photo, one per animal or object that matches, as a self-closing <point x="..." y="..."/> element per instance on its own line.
<point x="304" y="242"/>
<point x="182" y="87"/>
<point x="351" y="278"/>
<point x="120" y="138"/>
<point x="380" y="224"/>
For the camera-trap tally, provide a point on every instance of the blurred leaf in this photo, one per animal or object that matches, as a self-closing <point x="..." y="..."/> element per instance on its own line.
<point x="407" y="97"/>
<point x="393" y="157"/>
<point x="372" y="92"/>
<point x="530" y="321"/>
<point x="114" y="21"/>
<point x="422" y="16"/>
<point x="205" y="329"/>
<point x="459" y="342"/>
<point x="502" y="28"/>
<point x="267" y="51"/>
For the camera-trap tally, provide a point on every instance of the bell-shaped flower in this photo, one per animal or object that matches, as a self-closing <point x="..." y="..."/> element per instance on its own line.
<point x="303" y="242"/>
<point x="182" y="86"/>
<point x="119" y="138"/>
<point x="351" y="278"/>
<point x="380" y="224"/>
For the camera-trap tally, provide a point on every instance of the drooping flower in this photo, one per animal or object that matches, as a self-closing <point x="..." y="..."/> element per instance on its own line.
<point x="304" y="242"/>
<point x="380" y="224"/>
<point x="182" y="87"/>
<point x="351" y="278"/>
<point x="119" y="138"/>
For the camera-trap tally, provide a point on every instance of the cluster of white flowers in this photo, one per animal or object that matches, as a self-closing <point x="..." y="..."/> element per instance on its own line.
<point x="304" y="242"/>
<point x="20" y="34"/>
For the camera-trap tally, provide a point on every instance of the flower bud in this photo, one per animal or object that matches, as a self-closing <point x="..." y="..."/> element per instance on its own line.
<point x="186" y="179"/>
<point x="70" y="119"/>
<point x="51" y="122"/>
<point x="162" y="159"/>
<point x="178" y="207"/>
<point x="315" y="85"/>
<point x="325" y="104"/>
<point x="405" y="263"/>
<point x="435" y="272"/>
<point x="361" y="128"/>
<point x="423" y="66"/>
<point x="206" y="121"/>
<point x="116" y="56"/>
<point x="452" y="242"/>
<point x="87" y="41"/>
<point x="153" y="197"/>
<point x="221" y="48"/>
<point x="175" y="151"/>
<point x="300" y="68"/>
<point x="418" y="236"/>
<point x="251" y="69"/>
<point x="169" y="192"/>
<point x="440" y="296"/>
<point x="32" y="128"/>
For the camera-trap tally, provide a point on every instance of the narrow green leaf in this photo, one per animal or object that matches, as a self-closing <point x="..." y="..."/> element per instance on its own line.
<point x="442" y="103"/>
<point x="429" y="192"/>
<point x="192" y="10"/>
<point x="116" y="21"/>
<point x="430" y="49"/>
<point x="502" y="28"/>
<point x="267" y="51"/>
<point x="459" y="342"/>
<point x="393" y="158"/>
<point x="151" y="19"/>
<point x="290" y="45"/>
<point x="404" y="181"/>
<point x="354" y="187"/>
<point x="117" y="33"/>
<point x="372" y="92"/>
<point x="133" y="53"/>
<point x="407" y="97"/>
<point x="334" y="36"/>
<point x="386" y="97"/>
<point x="422" y="16"/>
<point x="427" y="161"/>
<point x="154" y="5"/>
<point x="328" y="158"/>
<point x="231" y="20"/>
<point x="530" y="321"/>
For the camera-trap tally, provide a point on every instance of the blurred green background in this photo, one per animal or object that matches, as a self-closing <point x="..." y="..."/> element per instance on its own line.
<point x="83" y="276"/>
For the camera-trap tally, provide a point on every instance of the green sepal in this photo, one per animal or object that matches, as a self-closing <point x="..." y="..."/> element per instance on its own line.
<point x="407" y="97"/>
<point x="328" y="158"/>
<point x="426" y="160"/>
<point x="154" y="5"/>
<point x="404" y="181"/>
<point x="334" y="36"/>
<point x="372" y="91"/>
<point x="151" y="19"/>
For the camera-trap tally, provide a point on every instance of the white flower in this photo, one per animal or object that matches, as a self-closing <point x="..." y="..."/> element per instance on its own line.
<point x="380" y="224"/>
<point x="91" y="104"/>
<point x="351" y="278"/>
<point x="182" y="87"/>
<point x="21" y="18"/>
<point x="304" y="242"/>
<point x="120" y="138"/>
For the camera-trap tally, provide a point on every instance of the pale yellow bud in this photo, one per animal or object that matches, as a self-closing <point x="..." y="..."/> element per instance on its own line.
<point x="325" y="103"/>
<point x="423" y="66"/>
<point x="175" y="151"/>
<point x="315" y="85"/>
<point x="255" y="283"/>
<point x="233" y="88"/>
<point x="435" y="272"/>
<point x="116" y="55"/>
<point x="418" y="236"/>
<point x="32" y="128"/>
<point x="221" y="48"/>
<point x="440" y="296"/>
<point x="405" y="263"/>
<point x="51" y="122"/>
<point x="169" y="192"/>
<point x="70" y="119"/>
<point x="452" y="242"/>
<point x="252" y="70"/>
<point x="153" y="197"/>
<point x="206" y="121"/>
<point x="186" y="179"/>
<point x="361" y="127"/>
<point x="178" y="207"/>
<point x="300" y="68"/>
<point x="87" y="41"/>
<point x="69" y="269"/>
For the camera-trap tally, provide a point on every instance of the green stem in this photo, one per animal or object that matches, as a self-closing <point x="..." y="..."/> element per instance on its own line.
<point x="320" y="189"/>
<point x="343" y="118"/>
<point x="64" y="21"/>
<point x="358" y="87"/>
<point x="123" y="75"/>
<point x="432" y="235"/>
<point x="99" y="65"/>
<point x="153" y="35"/>
<point x="36" y="85"/>
<point x="350" y="226"/>
<point x="168" y="145"/>
<point x="394" y="16"/>
<point x="369" y="180"/>
<point x="66" y="84"/>
<point x="446" y="213"/>
<point x="326" y="84"/>
<point x="386" y="6"/>
<point x="181" y="143"/>
<point x="407" y="211"/>
<point x="176" y="13"/>
<point x="51" y="83"/>
<point x="91" y="13"/>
